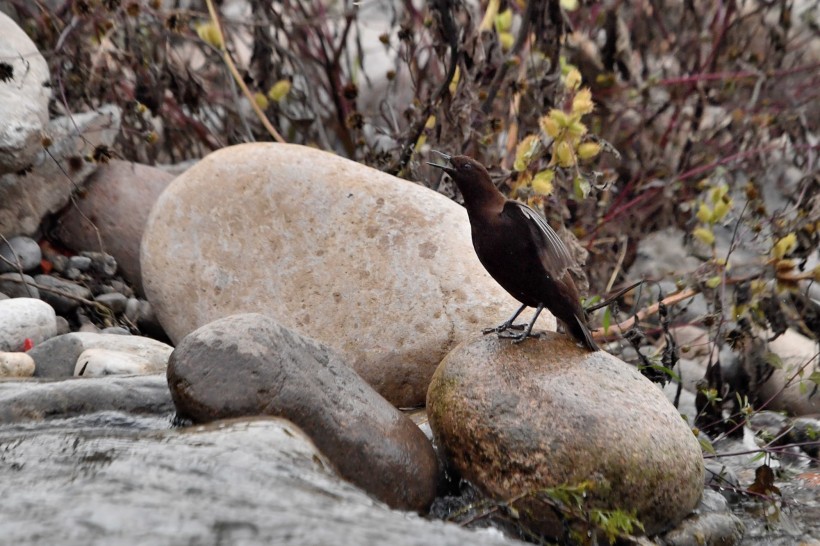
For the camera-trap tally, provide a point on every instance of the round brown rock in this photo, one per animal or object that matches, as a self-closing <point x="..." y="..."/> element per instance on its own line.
<point x="114" y="210"/>
<point x="246" y="365"/>
<point x="514" y="418"/>
<point x="380" y="269"/>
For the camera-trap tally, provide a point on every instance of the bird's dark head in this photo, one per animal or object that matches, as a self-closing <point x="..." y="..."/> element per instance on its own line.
<point x="461" y="167"/>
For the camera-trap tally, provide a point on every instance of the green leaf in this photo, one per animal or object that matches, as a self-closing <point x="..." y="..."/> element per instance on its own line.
<point x="815" y="377"/>
<point x="706" y="445"/>
<point x="773" y="360"/>
<point x="606" y="321"/>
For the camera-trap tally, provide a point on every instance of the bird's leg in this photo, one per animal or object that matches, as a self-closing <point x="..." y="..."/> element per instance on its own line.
<point x="507" y="324"/>
<point x="518" y="338"/>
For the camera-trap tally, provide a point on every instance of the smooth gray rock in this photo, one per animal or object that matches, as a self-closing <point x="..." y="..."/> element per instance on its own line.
<point x="114" y="301"/>
<point x="22" y="253"/>
<point x="62" y="304"/>
<point x="10" y="283"/>
<point x="35" y="400"/>
<point x="23" y="98"/>
<point x="101" y="263"/>
<point x="250" y="365"/>
<point x="26" y="200"/>
<point x="108" y="479"/>
<point x="57" y="358"/>
<point x="22" y="318"/>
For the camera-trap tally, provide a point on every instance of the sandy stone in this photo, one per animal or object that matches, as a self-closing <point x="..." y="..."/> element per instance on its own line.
<point x="380" y="269"/>
<point x="16" y="365"/>
<point x="514" y="418"/>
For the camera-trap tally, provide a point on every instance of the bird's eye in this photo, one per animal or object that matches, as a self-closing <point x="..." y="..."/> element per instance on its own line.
<point x="467" y="167"/>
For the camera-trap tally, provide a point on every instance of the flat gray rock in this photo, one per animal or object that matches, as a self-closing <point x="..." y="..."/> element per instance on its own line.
<point x="109" y="480"/>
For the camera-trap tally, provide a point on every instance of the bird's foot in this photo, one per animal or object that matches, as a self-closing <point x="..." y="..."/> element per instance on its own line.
<point x="517" y="337"/>
<point x="503" y="328"/>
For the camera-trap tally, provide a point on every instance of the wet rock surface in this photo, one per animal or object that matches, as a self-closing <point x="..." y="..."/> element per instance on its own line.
<point x="252" y="482"/>
<point x="38" y="400"/>
<point x="250" y="365"/>
<point x="513" y="418"/>
<point x="387" y="276"/>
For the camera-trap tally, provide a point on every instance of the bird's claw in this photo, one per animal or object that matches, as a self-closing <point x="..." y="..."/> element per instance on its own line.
<point x="503" y="328"/>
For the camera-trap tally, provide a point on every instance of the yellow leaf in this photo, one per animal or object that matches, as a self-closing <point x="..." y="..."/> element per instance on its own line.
<point x="569" y="5"/>
<point x="564" y="155"/>
<point x="784" y="246"/>
<point x="210" y="34"/>
<point x="454" y="83"/>
<point x="582" y="102"/>
<point x="713" y="282"/>
<point x="431" y="122"/>
<point x="489" y="15"/>
<point x="704" y="213"/>
<point x="549" y="126"/>
<point x="704" y="235"/>
<point x="260" y="100"/>
<point x="722" y="208"/>
<point x="542" y="182"/>
<point x="588" y="150"/>
<point x="560" y="117"/>
<point x="581" y="187"/>
<point x="503" y="21"/>
<point x="507" y="40"/>
<point x="572" y="80"/>
<point x="525" y="152"/>
<point x="279" y="90"/>
<point x="577" y="129"/>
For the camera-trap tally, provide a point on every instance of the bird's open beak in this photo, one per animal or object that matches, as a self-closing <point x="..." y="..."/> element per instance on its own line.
<point x="446" y="168"/>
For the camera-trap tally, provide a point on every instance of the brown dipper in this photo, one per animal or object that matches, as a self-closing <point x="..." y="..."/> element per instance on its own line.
<point x="520" y="251"/>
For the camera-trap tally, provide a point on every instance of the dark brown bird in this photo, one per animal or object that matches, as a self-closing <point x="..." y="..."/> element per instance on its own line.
<point x="520" y="251"/>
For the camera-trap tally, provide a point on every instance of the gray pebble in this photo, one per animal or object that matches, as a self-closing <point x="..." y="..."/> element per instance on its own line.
<point x="132" y="310"/>
<point x="114" y="301"/>
<point x="83" y="263"/>
<point x="102" y="263"/>
<point x="60" y="303"/>
<point x="63" y="327"/>
<point x="10" y="286"/>
<point x="72" y="273"/>
<point x="59" y="262"/>
<point x="22" y="252"/>
<point x="118" y="330"/>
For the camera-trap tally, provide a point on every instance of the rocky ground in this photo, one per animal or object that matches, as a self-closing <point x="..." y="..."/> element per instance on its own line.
<point x="231" y="354"/>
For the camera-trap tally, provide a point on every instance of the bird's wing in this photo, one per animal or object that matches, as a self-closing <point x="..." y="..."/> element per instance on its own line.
<point x="551" y="249"/>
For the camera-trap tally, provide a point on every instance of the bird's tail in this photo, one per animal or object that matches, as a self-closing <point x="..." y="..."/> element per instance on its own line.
<point x="579" y="331"/>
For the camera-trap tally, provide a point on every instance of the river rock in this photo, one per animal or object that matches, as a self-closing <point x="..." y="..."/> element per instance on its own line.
<point x="117" y="200"/>
<point x="64" y="298"/>
<point x="19" y="253"/>
<point x="22" y="318"/>
<point x="380" y="269"/>
<point x="25" y="199"/>
<point x="249" y="365"/>
<point x="24" y="98"/>
<point x="783" y="388"/>
<point x="35" y="401"/>
<point x="18" y="286"/>
<point x="108" y="479"/>
<point x="16" y="365"/>
<point x="513" y="418"/>
<point x="100" y="362"/>
<point x="58" y="357"/>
